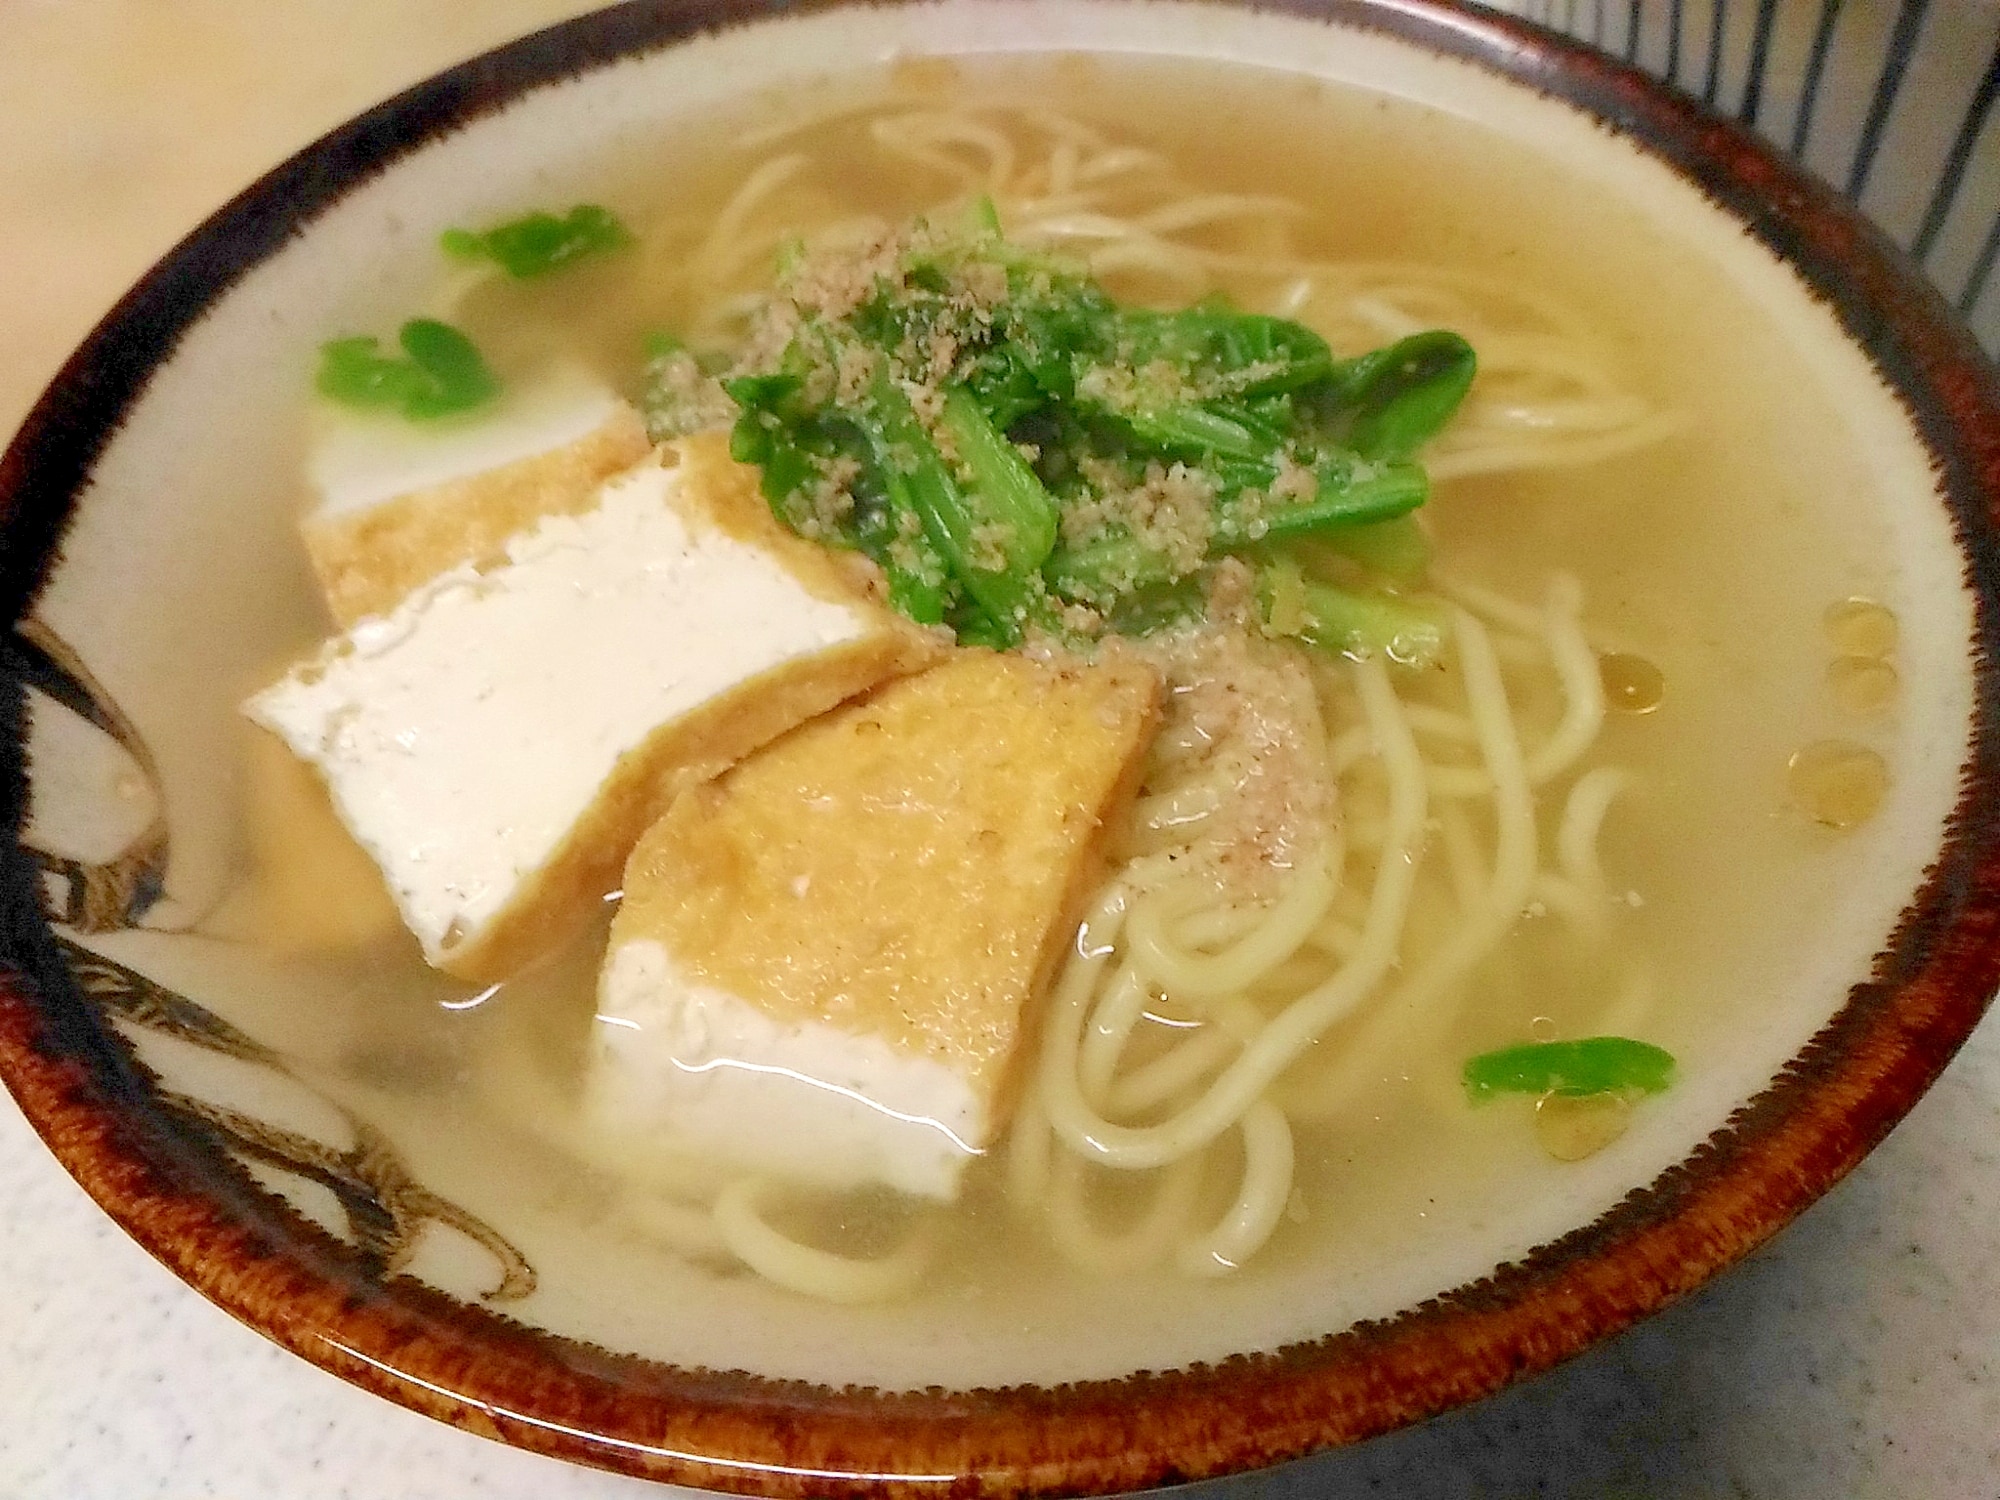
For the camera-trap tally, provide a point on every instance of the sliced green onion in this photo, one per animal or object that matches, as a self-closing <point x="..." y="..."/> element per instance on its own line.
<point x="539" y="243"/>
<point x="439" y="373"/>
<point x="1592" y="1065"/>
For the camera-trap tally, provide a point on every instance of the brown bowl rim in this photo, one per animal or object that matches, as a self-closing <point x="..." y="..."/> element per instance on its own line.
<point x="200" y="1214"/>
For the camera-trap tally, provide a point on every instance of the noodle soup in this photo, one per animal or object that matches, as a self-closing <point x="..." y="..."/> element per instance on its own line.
<point x="1242" y="1113"/>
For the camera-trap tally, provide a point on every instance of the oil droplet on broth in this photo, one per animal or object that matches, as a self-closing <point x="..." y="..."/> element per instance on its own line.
<point x="1861" y="627"/>
<point x="1632" y="684"/>
<point x="1837" y="782"/>
<point x="1571" y="1126"/>
<point x="1862" y="684"/>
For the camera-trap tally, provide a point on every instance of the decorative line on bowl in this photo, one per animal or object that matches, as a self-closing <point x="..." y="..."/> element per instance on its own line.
<point x="386" y="1208"/>
<point x="116" y="893"/>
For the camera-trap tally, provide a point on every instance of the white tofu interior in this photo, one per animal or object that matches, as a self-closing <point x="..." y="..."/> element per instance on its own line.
<point x="361" y="459"/>
<point x="681" y="1062"/>
<point x="464" y="734"/>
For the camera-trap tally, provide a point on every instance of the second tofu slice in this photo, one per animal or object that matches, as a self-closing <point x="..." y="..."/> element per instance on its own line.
<point x="400" y="503"/>
<point x="826" y="963"/>
<point x="499" y="740"/>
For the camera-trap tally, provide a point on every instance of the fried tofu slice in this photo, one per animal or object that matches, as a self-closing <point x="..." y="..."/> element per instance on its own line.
<point x="398" y="503"/>
<point x="499" y="740"/>
<point x="827" y="964"/>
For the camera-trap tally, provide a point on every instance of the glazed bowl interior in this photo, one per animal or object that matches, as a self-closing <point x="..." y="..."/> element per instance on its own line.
<point x="298" y="1137"/>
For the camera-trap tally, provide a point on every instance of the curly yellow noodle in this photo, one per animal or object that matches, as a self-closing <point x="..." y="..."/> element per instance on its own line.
<point x="777" y="1257"/>
<point x="1260" y="1200"/>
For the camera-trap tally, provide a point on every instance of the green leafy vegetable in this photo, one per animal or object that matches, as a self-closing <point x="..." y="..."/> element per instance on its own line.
<point x="1593" y="1065"/>
<point x="538" y="243"/>
<point x="917" y="476"/>
<point x="1348" y="622"/>
<point x="1011" y="444"/>
<point x="439" y="373"/>
<point x="799" y="447"/>
<point x="1345" y="496"/>
<point x="1399" y="397"/>
<point x="1011" y="499"/>
<point x="1146" y="611"/>
<point x="1104" y="572"/>
<point x="1397" y="549"/>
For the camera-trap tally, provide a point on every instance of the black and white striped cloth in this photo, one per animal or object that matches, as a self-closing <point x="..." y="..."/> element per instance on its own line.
<point x="1896" y="102"/>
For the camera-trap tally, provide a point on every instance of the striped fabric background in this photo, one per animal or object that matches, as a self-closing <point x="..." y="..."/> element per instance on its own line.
<point x="1897" y="102"/>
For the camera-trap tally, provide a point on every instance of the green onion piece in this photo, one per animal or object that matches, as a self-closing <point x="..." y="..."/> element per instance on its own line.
<point x="1349" y="622"/>
<point x="538" y="243"/>
<point x="458" y="378"/>
<point x="1593" y="1065"/>
<point x="355" y="372"/>
<point x="440" y="373"/>
<point x="1401" y="395"/>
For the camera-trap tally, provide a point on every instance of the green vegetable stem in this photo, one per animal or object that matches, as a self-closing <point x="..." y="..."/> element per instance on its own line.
<point x="1349" y="622"/>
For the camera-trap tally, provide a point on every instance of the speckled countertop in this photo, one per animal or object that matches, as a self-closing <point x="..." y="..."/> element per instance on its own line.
<point x="1857" y="1356"/>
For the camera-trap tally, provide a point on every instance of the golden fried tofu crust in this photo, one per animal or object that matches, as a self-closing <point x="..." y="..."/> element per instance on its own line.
<point x="553" y="902"/>
<point x="912" y="865"/>
<point x="368" y="561"/>
<point x="556" y="900"/>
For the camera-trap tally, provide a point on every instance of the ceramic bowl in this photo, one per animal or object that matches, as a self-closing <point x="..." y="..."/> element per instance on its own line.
<point x="143" y="525"/>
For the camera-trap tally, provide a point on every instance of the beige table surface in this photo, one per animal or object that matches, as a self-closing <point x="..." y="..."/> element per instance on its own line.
<point x="1857" y="1357"/>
